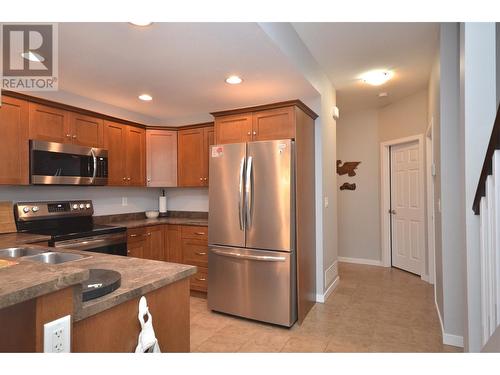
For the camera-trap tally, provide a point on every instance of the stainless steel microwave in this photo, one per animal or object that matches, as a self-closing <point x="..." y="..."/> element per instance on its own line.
<point x="66" y="164"/>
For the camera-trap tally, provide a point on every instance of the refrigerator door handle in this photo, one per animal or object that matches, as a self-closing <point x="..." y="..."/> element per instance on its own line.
<point x="248" y="193"/>
<point x="240" y="200"/>
<point x="263" y="258"/>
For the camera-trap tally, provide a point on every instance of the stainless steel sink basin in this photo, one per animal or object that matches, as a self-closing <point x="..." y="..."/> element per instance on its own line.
<point x="55" y="257"/>
<point x="17" y="252"/>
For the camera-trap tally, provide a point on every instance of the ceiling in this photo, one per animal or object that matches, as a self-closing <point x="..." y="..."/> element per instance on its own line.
<point x="182" y="65"/>
<point x="346" y="50"/>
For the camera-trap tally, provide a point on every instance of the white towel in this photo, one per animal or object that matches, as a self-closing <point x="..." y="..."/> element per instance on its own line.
<point x="147" y="342"/>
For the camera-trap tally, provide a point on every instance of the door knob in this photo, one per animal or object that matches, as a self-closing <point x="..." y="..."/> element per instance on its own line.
<point x="392" y="212"/>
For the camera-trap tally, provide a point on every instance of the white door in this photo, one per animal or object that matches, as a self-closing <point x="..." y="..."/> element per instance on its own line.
<point x="407" y="208"/>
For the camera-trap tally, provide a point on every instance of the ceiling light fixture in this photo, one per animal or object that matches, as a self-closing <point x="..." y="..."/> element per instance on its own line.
<point x="32" y="56"/>
<point x="233" y="80"/>
<point x="141" y="23"/>
<point x="146" y="97"/>
<point x="383" y="95"/>
<point x="376" y="77"/>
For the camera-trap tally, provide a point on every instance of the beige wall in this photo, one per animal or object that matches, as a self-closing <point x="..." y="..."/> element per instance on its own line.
<point x="359" y="135"/>
<point x="359" y="234"/>
<point x="404" y="118"/>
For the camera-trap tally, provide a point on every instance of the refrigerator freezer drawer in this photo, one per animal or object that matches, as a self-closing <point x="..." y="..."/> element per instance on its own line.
<point x="254" y="284"/>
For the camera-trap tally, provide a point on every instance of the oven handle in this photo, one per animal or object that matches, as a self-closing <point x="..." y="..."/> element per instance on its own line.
<point x="88" y="243"/>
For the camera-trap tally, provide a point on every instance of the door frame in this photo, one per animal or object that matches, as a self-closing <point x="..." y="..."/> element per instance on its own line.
<point x="430" y="272"/>
<point x="385" y="192"/>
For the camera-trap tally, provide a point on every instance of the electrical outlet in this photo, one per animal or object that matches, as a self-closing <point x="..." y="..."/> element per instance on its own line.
<point x="57" y="335"/>
<point x="124" y="201"/>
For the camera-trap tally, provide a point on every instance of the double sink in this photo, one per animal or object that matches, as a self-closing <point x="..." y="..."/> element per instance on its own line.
<point x="40" y="256"/>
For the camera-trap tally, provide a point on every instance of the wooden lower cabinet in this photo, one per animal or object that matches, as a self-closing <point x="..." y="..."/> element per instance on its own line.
<point x="185" y="244"/>
<point x="116" y="329"/>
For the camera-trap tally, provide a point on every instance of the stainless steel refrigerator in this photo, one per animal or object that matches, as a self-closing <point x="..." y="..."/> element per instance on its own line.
<point x="251" y="260"/>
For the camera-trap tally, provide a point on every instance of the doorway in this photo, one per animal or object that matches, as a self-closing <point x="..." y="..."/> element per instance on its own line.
<point x="403" y="204"/>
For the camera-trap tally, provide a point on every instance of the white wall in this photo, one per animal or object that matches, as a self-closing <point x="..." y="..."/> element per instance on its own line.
<point x="359" y="210"/>
<point x="478" y="110"/>
<point x="106" y="200"/>
<point x="451" y="181"/>
<point x="288" y="41"/>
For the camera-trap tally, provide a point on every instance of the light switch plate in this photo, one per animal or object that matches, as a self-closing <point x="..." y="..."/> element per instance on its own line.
<point x="57" y="335"/>
<point x="326" y="202"/>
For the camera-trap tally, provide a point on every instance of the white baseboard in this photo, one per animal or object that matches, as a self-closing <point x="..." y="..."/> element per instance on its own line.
<point x="453" y="340"/>
<point x="449" y="339"/>
<point x="323" y="297"/>
<point x="369" y="262"/>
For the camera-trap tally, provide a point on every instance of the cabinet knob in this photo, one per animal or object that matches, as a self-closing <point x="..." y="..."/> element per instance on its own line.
<point x="149" y="180"/>
<point x="68" y="135"/>
<point x="124" y="178"/>
<point x="128" y="178"/>
<point x="74" y="136"/>
<point x="201" y="178"/>
<point x="205" y="179"/>
<point x="254" y="133"/>
<point x="248" y="133"/>
<point x="149" y="233"/>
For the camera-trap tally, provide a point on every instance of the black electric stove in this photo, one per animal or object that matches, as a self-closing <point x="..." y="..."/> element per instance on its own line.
<point x="70" y="225"/>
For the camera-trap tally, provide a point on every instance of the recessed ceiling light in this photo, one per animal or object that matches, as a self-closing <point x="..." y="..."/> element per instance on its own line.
<point x="146" y="97"/>
<point x="376" y="77"/>
<point x="32" y="56"/>
<point x="383" y="95"/>
<point x="233" y="80"/>
<point x="141" y="23"/>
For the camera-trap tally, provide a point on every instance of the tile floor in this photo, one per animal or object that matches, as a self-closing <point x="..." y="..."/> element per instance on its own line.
<point x="374" y="309"/>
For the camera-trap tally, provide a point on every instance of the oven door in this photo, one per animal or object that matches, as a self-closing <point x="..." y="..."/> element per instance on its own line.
<point x="66" y="164"/>
<point x="114" y="244"/>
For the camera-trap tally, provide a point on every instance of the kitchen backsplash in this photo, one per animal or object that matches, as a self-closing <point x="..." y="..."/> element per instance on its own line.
<point x="112" y="200"/>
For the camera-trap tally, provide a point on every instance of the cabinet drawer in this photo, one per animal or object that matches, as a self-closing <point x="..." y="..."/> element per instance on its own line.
<point x="195" y="252"/>
<point x="199" y="233"/>
<point x="199" y="281"/>
<point x="136" y="235"/>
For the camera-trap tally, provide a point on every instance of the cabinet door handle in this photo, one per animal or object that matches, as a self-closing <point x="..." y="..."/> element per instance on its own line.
<point x="200" y="254"/>
<point x="68" y="135"/>
<point x="132" y="235"/>
<point x="200" y="279"/>
<point x="200" y="233"/>
<point x="74" y="136"/>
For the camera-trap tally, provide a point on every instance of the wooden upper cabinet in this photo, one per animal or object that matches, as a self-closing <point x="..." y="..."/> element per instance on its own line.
<point x="136" y="156"/>
<point x="86" y="130"/>
<point x="233" y="128"/>
<point x="115" y="137"/>
<point x="273" y="124"/>
<point x="14" y="168"/>
<point x="191" y="157"/>
<point x="49" y="124"/>
<point x="161" y="158"/>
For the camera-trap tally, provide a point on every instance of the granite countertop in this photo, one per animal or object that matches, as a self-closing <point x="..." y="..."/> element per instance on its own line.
<point x="138" y="219"/>
<point x="14" y="239"/>
<point x="27" y="280"/>
<point x="137" y="223"/>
